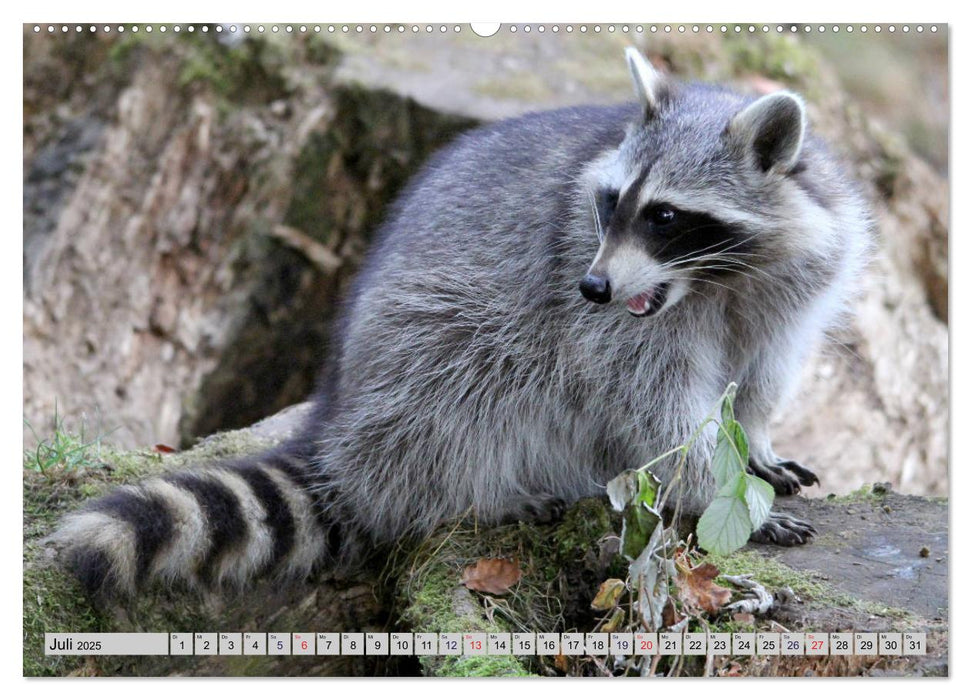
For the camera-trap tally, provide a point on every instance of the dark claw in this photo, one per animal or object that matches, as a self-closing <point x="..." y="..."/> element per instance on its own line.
<point x="806" y="477"/>
<point x="783" y="530"/>
<point x="787" y="477"/>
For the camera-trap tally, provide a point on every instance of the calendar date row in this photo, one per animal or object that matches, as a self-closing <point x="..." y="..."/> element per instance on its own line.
<point x="489" y="643"/>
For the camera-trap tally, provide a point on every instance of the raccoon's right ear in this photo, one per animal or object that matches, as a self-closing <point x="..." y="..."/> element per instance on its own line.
<point x="648" y="83"/>
<point x="771" y="129"/>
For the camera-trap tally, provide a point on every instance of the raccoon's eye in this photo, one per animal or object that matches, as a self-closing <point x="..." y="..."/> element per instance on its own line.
<point x="661" y="214"/>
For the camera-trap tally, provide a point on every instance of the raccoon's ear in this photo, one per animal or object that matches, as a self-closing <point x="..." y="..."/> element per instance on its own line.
<point x="648" y="83"/>
<point x="771" y="129"/>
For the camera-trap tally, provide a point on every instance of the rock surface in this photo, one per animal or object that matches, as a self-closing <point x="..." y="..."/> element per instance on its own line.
<point x="889" y="548"/>
<point x="190" y="224"/>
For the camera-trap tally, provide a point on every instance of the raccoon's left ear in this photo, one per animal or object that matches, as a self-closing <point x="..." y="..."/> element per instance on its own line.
<point x="771" y="129"/>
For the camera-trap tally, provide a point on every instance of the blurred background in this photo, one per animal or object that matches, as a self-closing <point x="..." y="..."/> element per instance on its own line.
<point x="195" y="204"/>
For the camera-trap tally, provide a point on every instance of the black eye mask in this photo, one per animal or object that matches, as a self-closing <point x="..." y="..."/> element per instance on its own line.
<point x="606" y="206"/>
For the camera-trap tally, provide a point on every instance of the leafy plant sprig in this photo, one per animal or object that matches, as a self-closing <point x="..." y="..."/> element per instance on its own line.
<point x="743" y="501"/>
<point x="741" y="504"/>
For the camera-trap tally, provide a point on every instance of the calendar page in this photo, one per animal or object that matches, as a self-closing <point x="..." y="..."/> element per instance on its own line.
<point x="593" y="349"/>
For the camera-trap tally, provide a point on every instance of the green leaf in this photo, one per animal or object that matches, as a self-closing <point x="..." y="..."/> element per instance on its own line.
<point x="759" y="495"/>
<point x="741" y="442"/>
<point x="725" y="525"/>
<point x="728" y="408"/>
<point x="648" y="486"/>
<point x="639" y="522"/>
<point x="734" y="433"/>
<point x="734" y="488"/>
<point x="634" y="492"/>
<point x="728" y="403"/>
<point x="726" y="462"/>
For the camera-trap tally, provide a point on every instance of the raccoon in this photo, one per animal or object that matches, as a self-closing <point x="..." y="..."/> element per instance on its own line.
<point x="555" y="298"/>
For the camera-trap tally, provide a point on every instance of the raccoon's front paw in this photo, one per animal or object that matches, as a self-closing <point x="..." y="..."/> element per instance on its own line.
<point x="783" y="530"/>
<point x="539" y="509"/>
<point x="787" y="477"/>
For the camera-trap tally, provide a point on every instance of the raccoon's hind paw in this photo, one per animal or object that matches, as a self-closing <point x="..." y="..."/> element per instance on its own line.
<point x="538" y="509"/>
<point x="783" y="530"/>
<point x="787" y="477"/>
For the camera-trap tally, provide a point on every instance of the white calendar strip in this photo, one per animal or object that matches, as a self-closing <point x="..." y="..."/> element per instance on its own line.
<point x="487" y="644"/>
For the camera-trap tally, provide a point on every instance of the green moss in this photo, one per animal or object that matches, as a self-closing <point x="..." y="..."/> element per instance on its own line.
<point x="770" y="572"/>
<point x="121" y="49"/>
<point x="773" y="574"/>
<point x="310" y="210"/>
<point x="582" y="526"/>
<point x="226" y="445"/>
<point x="864" y="494"/>
<point x="52" y="602"/>
<point x="319" y="50"/>
<point x="345" y="176"/>
<point x="481" y="667"/>
<point x="432" y="607"/>
<point x="239" y="666"/>
<point x="250" y="72"/>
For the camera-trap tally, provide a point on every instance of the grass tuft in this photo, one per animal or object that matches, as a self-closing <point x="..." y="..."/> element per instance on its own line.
<point x="64" y="450"/>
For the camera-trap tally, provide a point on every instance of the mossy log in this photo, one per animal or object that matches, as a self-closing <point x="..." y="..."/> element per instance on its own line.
<point x="878" y="564"/>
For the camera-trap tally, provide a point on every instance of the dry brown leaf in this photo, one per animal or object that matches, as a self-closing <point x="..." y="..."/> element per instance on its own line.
<point x="610" y="592"/>
<point x="494" y="576"/>
<point x="669" y="614"/>
<point x="698" y="588"/>
<point x="744" y="618"/>
<point x="562" y="663"/>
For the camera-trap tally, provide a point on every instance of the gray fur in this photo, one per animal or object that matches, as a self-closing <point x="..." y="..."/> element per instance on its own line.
<point x="471" y="377"/>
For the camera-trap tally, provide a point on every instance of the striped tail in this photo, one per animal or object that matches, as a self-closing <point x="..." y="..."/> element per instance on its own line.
<point x="216" y="527"/>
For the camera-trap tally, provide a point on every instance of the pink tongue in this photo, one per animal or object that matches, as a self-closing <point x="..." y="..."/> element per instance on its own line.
<point x="640" y="303"/>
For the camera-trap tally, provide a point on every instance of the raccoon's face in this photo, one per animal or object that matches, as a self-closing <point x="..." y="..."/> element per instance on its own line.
<point x="683" y="201"/>
<point x="653" y="249"/>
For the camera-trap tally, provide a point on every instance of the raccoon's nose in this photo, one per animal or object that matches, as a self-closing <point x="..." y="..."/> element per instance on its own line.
<point x="596" y="289"/>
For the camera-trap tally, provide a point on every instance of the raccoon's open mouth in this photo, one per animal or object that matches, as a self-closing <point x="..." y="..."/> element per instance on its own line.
<point x="649" y="302"/>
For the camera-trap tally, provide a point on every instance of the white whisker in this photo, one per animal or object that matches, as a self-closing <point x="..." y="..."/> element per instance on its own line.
<point x="596" y="217"/>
